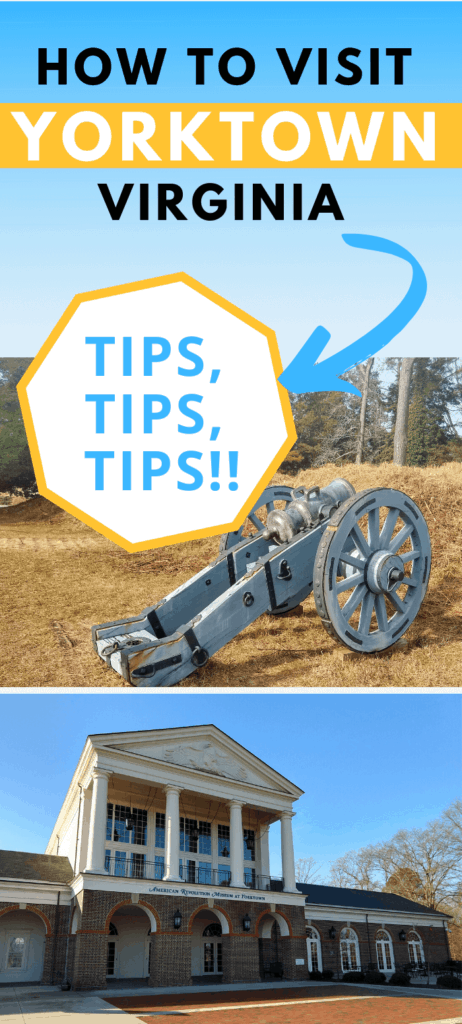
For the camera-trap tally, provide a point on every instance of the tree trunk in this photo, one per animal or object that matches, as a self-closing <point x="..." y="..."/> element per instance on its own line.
<point x="362" y="419"/>
<point x="402" y="412"/>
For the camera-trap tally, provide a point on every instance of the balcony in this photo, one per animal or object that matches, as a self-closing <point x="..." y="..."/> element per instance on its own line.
<point x="134" y="865"/>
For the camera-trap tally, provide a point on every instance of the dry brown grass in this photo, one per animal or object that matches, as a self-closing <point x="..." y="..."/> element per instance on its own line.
<point x="58" y="577"/>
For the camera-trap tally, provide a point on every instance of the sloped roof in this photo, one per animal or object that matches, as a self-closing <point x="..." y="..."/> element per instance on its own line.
<point x="361" y="899"/>
<point x="36" y="867"/>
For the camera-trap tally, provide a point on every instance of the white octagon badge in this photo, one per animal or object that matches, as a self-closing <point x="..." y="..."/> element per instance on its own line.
<point x="154" y="414"/>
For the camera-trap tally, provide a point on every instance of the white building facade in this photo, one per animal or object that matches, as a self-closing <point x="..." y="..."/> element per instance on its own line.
<point x="158" y="869"/>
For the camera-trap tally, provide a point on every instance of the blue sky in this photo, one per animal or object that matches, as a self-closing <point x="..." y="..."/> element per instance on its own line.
<point x="369" y="764"/>
<point x="57" y="238"/>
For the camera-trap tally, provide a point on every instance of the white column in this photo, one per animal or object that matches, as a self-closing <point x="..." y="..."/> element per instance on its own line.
<point x="287" y="852"/>
<point x="214" y="831"/>
<point x="263" y="851"/>
<point x="236" y="845"/>
<point x="98" y="814"/>
<point x="172" y="834"/>
<point x="84" y="827"/>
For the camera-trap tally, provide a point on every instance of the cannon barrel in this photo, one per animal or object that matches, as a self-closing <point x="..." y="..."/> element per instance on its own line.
<point x="309" y="507"/>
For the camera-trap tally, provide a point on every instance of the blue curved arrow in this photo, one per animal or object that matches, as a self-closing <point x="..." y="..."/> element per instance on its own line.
<point x="304" y="374"/>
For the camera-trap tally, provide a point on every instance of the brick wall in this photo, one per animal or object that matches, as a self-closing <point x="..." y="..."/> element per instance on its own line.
<point x="240" y="958"/>
<point x="434" y="942"/>
<point x="171" y="948"/>
<point x="244" y="953"/>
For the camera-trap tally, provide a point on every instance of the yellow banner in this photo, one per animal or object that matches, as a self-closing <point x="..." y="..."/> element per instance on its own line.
<point x="230" y="135"/>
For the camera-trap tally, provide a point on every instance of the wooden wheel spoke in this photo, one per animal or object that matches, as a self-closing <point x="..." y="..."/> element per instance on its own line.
<point x="255" y="520"/>
<point x="403" y="534"/>
<point x="397" y="602"/>
<point x="353" y="560"/>
<point x="381" y="612"/>
<point x="354" y="600"/>
<point x="365" y="616"/>
<point x="270" y="506"/>
<point x="373" y="529"/>
<point x="360" y="541"/>
<point x="349" y="582"/>
<point x="388" y="527"/>
<point x="409" y="556"/>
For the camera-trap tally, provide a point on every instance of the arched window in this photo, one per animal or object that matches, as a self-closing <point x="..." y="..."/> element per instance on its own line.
<point x="349" y="950"/>
<point x="313" y="945"/>
<point x="384" y="947"/>
<point x="415" y="947"/>
<point x="212" y="930"/>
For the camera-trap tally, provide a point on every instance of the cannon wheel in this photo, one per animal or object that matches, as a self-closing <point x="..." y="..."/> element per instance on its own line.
<point x="371" y="569"/>
<point x="265" y="501"/>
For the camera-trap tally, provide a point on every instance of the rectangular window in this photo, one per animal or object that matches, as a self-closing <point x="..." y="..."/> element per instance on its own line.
<point x="110" y="958"/>
<point x="344" y="956"/>
<point x="205" y="838"/>
<point x="249" y="844"/>
<point x="120" y="863"/>
<point x="314" y="956"/>
<point x="223" y="840"/>
<point x="116" y="828"/>
<point x="138" y="865"/>
<point x="160" y="831"/>
<point x="189" y="835"/>
<point x="209" y="959"/>
<point x="219" y="958"/>
<point x="139" y="833"/>
<point x="16" y="953"/>
<point x="249" y="877"/>
<point x="204" y="873"/>
<point x="110" y="812"/>
<point x="159" y="869"/>
<point x="191" y="870"/>
<point x="120" y="833"/>
<point x="224" y="876"/>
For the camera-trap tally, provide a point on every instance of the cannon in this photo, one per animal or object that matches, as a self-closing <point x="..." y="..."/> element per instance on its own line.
<point x="366" y="556"/>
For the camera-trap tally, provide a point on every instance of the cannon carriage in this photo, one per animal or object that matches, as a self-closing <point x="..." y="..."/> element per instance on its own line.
<point x="366" y="557"/>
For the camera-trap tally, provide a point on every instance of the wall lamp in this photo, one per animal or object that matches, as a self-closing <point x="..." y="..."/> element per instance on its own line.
<point x="246" y="923"/>
<point x="332" y="932"/>
<point x="402" y="935"/>
<point x="177" y="920"/>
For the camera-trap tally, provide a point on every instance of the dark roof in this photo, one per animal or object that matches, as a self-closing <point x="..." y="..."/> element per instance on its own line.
<point x="361" y="899"/>
<point x="37" y="867"/>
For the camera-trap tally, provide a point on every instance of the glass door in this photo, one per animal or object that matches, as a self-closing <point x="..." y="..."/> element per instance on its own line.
<point x="213" y="959"/>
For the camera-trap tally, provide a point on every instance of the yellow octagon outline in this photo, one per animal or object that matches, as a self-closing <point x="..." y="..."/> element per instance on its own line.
<point x="154" y="282"/>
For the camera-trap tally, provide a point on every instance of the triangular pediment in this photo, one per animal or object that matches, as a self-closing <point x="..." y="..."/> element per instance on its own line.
<point x="199" y="748"/>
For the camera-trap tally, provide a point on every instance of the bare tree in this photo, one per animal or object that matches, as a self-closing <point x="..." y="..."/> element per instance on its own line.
<point x="306" y="870"/>
<point x="366" y="372"/>
<point x="355" y="869"/>
<point x="423" y="865"/>
<point x="402" y="412"/>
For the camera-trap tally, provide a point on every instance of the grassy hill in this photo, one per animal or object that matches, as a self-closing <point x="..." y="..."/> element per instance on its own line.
<point x="58" y="577"/>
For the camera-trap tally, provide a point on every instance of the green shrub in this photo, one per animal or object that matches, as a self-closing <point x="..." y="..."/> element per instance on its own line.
<point x="327" y="975"/>
<point x="315" y="976"/>
<point x="399" y="979"/>
<point x="353" y="976"/>
<point x="375" y="978"/>
<point x="448" y="981"/>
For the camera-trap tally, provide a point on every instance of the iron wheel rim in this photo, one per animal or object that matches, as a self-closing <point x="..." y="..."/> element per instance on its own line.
<point x="359" y="617"/>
